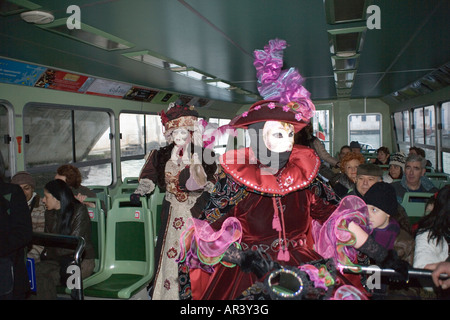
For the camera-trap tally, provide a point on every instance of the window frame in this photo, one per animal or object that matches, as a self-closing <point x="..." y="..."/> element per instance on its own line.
<point x="10" y="159"/>
<point x="79" y="164"/>
<point x="349" y="138"/>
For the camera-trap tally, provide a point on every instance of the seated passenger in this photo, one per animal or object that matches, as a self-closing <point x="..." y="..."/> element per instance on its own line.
<point x="72" y="176"/>
<point x="15" y="233"/>
<point x="342" y="152"/>
<point x="386" y="231"/>
<point x="64" y="215"/>
<point x="380" y="200"/>
<point x="383" y="155"/>
<point x="355" y="146"/>
<point x="420" y="152"/>
<point x="414" y="179"/>
<point x="305" y="137"/>
<point x="396" y="167"/>
<point x="358" y="233"/>
<point x="369" y="174"/>
<point x="36" y="206"/>
<point x="433" y="234"/>
<point x="346" y="180"/>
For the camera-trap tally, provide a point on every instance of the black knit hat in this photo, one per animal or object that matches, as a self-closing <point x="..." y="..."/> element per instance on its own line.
<point x="382" y="195"/>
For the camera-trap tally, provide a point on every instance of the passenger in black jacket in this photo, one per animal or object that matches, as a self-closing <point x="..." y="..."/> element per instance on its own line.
<point x="15" y="234"/>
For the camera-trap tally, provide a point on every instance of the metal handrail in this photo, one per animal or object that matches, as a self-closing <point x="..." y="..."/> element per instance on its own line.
<point x="412" y="272"/>
<point x="64" y="241"/>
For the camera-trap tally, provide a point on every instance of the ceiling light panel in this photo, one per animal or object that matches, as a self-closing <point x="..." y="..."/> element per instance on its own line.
<point x="341" y="11"/>
<point x="346" y="42"/>
<point x="344" y="76"/>
<point x="89" y="35"/>
<point x="155" y="60"/>
<point x="342" y="63"/>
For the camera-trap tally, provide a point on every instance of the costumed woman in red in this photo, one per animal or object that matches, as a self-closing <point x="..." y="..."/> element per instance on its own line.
<point x="185" y="172"/>
<point x="259" y="216"/>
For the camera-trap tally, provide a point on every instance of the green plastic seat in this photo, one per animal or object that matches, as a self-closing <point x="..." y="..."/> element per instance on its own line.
<point x="439" y="179"/>
<point x="127" y="187"/>
<point x="98" y="234"/>
<point x="131" y="181"/>
<point x="103" y="194"/>
<point x="429" y="169"/>
<point x="414" y="204"/>
<point x="98" y="238"/>
<point x="129" y="252"/>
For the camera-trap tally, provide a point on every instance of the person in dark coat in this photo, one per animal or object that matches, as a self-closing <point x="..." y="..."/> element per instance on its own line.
<point x="15" y="234"/>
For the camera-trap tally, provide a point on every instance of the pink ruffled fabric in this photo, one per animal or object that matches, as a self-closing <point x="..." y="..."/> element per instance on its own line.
<point x="333" y="239"/>
<point x="284" y="86"/>
<point x="200" y="241"/>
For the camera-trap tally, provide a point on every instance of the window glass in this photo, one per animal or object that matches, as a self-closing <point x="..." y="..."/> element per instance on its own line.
<point x="406" y="126"/>
<point x="132" y="134"/>
<point x="430" y="135"/>
<point x="97" y="126"/>
<point x="446" y="162"/>
<point x="321" y="127"/>
<point x="398" y="121"/>
<point x="59" y="135"/>
<point x="4" y="146"/>
<point x="445" y="118"/>
<point x="418" y="126"/>
<point x="141" y="134"/>
<point x="48" y="132"/>
<point x="366" y="129"/>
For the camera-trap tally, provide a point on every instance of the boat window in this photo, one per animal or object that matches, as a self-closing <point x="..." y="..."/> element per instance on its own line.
<point x="140" y="134"/>
<point x="445" y="118"/>
<point x="366" y="129"/>
<point x="57" y="135"/>
<point x="5" y="142"/>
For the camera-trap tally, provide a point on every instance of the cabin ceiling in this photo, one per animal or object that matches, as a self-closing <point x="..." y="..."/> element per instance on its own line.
<point x="218" y="37"/>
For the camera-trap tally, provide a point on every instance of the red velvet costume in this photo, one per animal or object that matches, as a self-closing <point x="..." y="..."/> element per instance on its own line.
<point x="274" y="207"/>
<point x="255" y="212"/>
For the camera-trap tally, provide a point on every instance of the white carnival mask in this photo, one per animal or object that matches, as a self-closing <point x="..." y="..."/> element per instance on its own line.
<point x="181" y="136"/>
<point x="278" y="136"/>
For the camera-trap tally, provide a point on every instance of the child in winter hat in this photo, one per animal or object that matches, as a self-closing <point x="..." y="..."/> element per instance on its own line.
<point x="382" y="204"/>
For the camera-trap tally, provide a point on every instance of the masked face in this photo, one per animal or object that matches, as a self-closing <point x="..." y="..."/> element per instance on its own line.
<point x="181" y="136"/>
<point x="278" y="136"/>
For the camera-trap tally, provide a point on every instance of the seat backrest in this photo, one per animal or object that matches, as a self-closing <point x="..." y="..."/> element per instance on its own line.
<point x="98" y="228"/>
<point x="103" y="194"/>
<point x="131" y="181"/>
<point x="415" y="202"/>
<point x="439" y="179"/>
<point x="128" y="186"/>
<point x="129" y="237"/>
